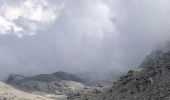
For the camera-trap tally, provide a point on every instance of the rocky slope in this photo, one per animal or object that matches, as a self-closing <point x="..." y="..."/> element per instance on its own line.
<point x="149" y="82"/>
<point x="56" y="84"/>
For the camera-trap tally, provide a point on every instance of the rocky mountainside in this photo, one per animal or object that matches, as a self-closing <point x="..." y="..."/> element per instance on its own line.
<point x="149" y="82"/>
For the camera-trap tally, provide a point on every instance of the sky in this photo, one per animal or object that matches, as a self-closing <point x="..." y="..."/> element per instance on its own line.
<point x="44" y="36"/>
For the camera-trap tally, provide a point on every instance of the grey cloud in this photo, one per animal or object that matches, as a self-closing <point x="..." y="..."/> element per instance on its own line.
<point x="90" y="35"/>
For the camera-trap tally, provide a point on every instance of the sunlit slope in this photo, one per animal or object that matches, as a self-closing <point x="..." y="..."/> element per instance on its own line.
<point x="9" y="93"/>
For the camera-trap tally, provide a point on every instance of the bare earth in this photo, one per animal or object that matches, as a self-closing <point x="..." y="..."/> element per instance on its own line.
<point x="9" y="93"/>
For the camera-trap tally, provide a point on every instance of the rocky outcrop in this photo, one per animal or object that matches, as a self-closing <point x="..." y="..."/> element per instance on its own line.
<point x="151" y="82"/>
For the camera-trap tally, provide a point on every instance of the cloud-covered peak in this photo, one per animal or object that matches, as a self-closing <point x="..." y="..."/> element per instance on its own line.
<point x="26" y="17"/>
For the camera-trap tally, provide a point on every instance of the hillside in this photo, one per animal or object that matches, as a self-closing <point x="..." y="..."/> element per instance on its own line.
<point x="56" y="84"/>
<point x="149" y="82"/>
<point x="9" y="93"/>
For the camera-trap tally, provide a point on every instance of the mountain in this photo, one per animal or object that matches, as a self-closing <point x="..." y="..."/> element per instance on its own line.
<point x="149" y="82"/>
<point x="57" y="76"/>
<point x="58" y="83"/>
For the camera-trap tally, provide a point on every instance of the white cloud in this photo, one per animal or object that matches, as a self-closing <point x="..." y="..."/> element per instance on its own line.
<point x="89" y="18"/>
<point x="99" y="19"/>
<point x="34" y="12"/>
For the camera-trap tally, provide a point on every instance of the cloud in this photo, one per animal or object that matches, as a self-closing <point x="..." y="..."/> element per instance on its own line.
<point x="80" y="35"/>
<point x="95" y="16"/>
<point x="35" y="13"/>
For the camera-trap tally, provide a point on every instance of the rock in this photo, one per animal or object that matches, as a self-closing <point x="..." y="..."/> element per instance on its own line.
<point x="149" y="82"/>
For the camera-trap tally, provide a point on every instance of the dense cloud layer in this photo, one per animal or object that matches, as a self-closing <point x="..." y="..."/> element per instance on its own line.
<point x="79" y="35"/>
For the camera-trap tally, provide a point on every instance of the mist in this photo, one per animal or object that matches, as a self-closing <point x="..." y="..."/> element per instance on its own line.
<point x="79" y="36"/>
